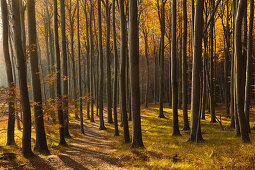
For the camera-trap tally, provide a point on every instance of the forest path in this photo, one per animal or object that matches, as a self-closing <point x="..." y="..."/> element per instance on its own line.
<point x="91" y="151"/>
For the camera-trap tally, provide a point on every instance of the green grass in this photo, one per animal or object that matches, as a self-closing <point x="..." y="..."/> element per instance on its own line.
<point x="52" y="134"/>
<point x="221" y="149"/>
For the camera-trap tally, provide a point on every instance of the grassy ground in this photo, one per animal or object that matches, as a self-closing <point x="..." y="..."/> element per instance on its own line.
<point x="52" y="140"/>
<point x="221" y="149"/>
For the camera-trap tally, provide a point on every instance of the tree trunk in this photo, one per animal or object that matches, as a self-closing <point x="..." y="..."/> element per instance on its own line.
<point x="239" y="64"/>
<point x="115" y="86"/>
<point x="64" y="63"/>
<point x="134" y="73"/>
<point x="108" y="62"/>
<point x="79" y="67"/>
<point x="212" y="81"/>
<point x="59" y="94"/>
<point x="123" y="56"/>
<point x="11" y="83"/>
<point x="176" y="131"/>
<point x="101" y="67"/>
<point x="162" y="57"/>
<point x="196" y="69"/>
<point x="41" y="142"/>
<point x="26" y="138"/>
<point x="249" y="69"/>
<point x="184" y="69"/>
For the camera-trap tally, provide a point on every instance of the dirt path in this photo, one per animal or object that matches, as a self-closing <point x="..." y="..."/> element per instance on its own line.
<point x="92" y="151"/>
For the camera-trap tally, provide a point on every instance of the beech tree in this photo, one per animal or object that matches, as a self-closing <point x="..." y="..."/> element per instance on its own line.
<point x="123" y="46"/>
<point x="195" y="134"/>
<point x="59" y="94"/>
<point x="22" y="72"/>
<point x="64" y="66"/>
<point x="11" y="83"/>
<point x="133" y="39"/>
<point x="174" y="96"/>
<point x="101" y="67"/>
<point x="41" y="143"/>
<point x="240" y="64"/>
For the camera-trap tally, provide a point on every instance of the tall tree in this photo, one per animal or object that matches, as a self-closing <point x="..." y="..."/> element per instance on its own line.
<point x="22" y="71"/>
<point x="249" y="69"/>
<point x="101" y="67"/>
<point x="79" y="66"/>
<point x="71" y="15"/>
<point x="11" y="82"/>
<point x="41" y="142"/>
<point x="134" y="73"/>
<point x="174" y="96"/>
<point x="184" y="68"/>
<point x="59" y="94"/>
<point x="108" y="61"/>
<point x="123" y="46"/>
<point x="115" y="86"/>
<point x="92" y="84"/>
<point x="161" y="14"/>
<point x="212" y="81"/>
<point x="240" y="65"/>
<point x="64" y="65"/>
<point x="195" y="134"/>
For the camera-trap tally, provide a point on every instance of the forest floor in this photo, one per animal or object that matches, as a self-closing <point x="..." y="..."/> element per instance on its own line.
<point x="90" y="151"/>
<point x="221" y="148"/>
<point x="101" y="150"/>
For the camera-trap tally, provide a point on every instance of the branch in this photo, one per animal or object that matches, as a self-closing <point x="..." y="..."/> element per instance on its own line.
<point x="212" y="16"/>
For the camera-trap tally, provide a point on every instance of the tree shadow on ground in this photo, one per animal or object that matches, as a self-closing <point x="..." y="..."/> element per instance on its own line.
<point x="70" y="162"/>
<point x="39" y="163"/>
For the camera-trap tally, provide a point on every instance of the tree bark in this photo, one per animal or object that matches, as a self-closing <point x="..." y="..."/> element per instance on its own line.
<point x="123" y="56"/>
<point x="22" y="71"/>
<point x="59" y="94"/>
<point x="11" y="83"/>
<point x="176" y="131"/>
<point x="249" y="69"/>
<point x="64" y="65"/>
<point x="184" y="69"/>
<point x="108" y="62"/>
<point x="134" y="76"/>
<point x="41" y="142"/>
<point x="196" y="69"/>
<point x="239" y="65"/>
<point x="101" y="67"/>
<point x="115" y="85"/>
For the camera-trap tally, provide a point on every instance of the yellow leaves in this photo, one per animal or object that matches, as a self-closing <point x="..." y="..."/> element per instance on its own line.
<point x="65" y="78"/>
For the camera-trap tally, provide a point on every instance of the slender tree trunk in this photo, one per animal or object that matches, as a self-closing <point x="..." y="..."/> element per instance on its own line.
<point x="249" y="69"/>
<point x="239" y="64"/>
<point x="22" y="70"/>
<point x="145" y="33"/>
<point x="184" y="69"/>
<point x="91" y="64"/>
<point x="101" y="67"/>
<point x="88" y="57"/>
<point x="11" y="83"/>
<point x="79" y="67"/>
<point x="64" y="63"/>
<point x="196" y="69"/>
<point x="162" y="57"/>
<point x="115" y="86"/>
<point x="41" y="142"/>
<point x="123" y="56"/>
<point x="134" y="73"/>
<point x="59" y="94"/>
<point x="176" y="131"/>
<point x="108" y="62"/>
<point x="212" y="81"/>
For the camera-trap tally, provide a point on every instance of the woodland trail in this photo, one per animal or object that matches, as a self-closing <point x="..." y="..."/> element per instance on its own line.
<point x="91" y="151"/>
